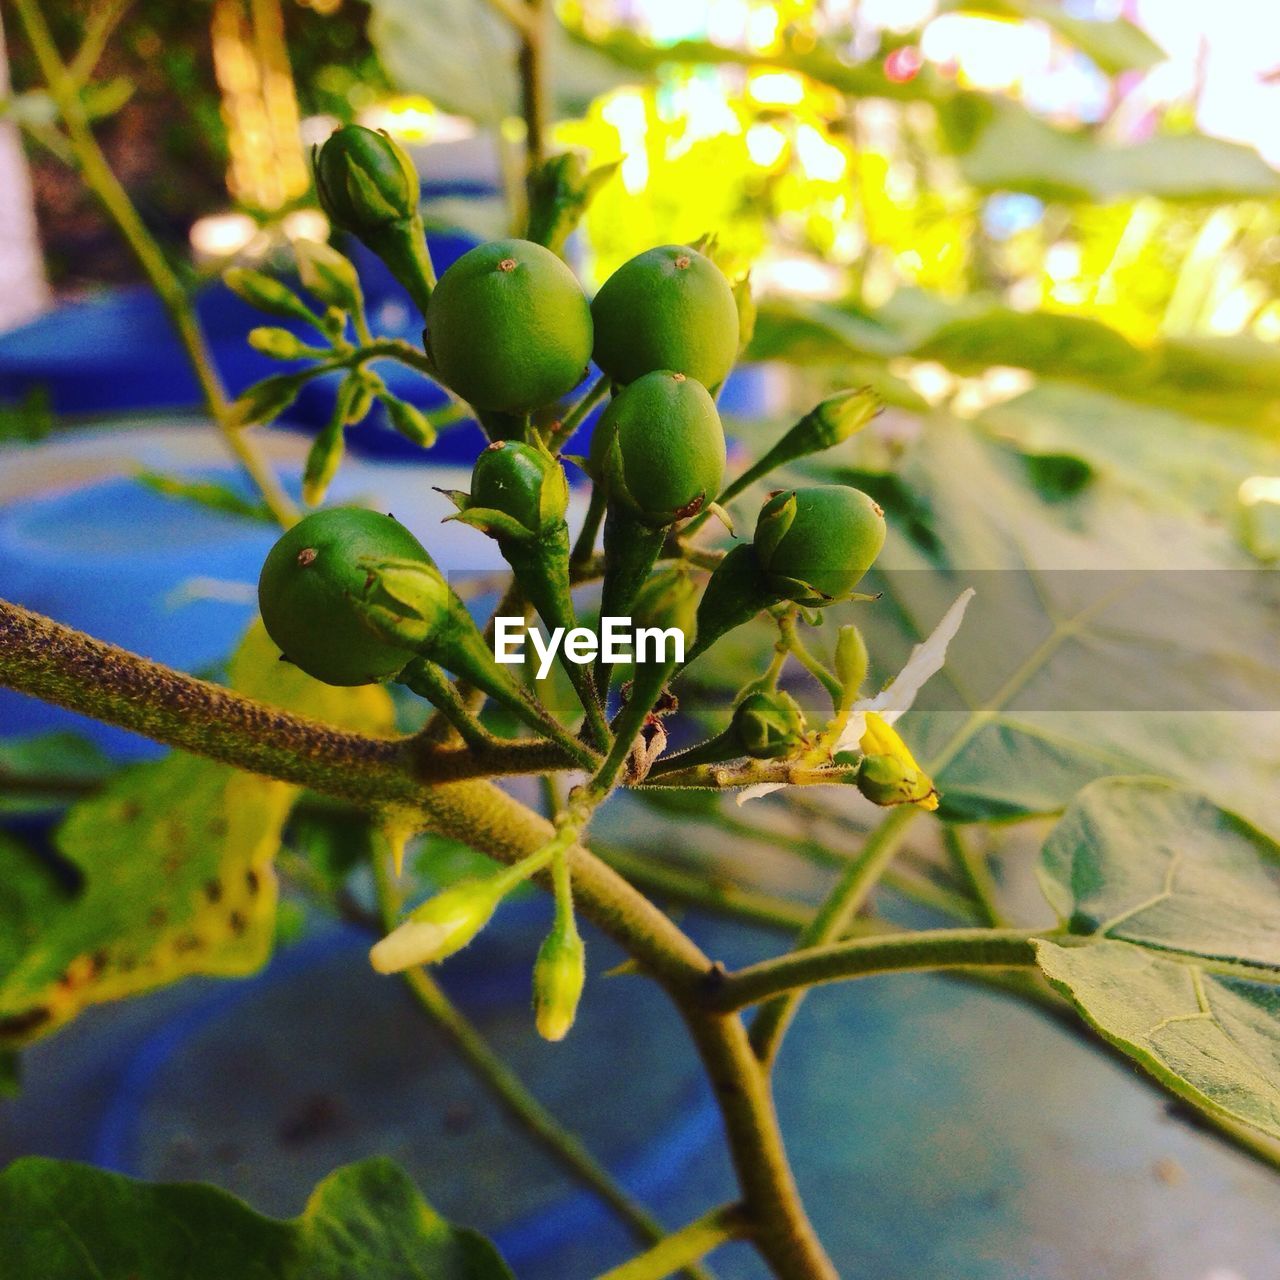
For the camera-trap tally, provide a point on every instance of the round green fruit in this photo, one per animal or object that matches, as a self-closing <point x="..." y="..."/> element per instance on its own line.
<point x="815" y="544"/>
<point x="668" y="308"/>
<point x="509" y="327"/>
<point x="309" y="582"/>
<point x="663" y="447"/>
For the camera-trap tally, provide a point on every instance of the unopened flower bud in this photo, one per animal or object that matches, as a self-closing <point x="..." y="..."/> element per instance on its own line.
<point x="559" y="975"/>
<point x="442" y="925"/>
<point x="770" y="724"/>
<point x="365" y="179"/>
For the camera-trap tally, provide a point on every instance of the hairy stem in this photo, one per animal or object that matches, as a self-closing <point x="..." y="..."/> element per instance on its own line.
<point x="935" y="949"/>
<point x="102" y="181"/>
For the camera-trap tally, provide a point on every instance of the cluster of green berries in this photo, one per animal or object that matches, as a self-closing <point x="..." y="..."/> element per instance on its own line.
<point x="352" y="597"/>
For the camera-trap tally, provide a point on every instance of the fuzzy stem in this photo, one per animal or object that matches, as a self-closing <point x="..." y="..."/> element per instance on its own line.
<point x="863" y="957"/>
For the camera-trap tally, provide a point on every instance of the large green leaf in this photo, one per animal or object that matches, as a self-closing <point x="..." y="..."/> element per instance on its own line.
<point x="65" y="1221"/>
<point x="461" y="55"/>
<point x="1114" y="44"/>
<point x="1110" y="633"/>
<point x="1233" y="380"/>
<point x="1004" y="147"/>
<point x="40" y="771"/>
<point x="1175" y="907"/>
<point x="176" y="861"/>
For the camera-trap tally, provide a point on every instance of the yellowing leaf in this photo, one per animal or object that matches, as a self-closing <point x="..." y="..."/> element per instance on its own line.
<point x="177" y="858"/>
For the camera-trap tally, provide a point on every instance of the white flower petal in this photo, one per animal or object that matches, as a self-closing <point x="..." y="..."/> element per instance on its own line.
<point x="758" y="789"/>
<point x="926" y="660"/>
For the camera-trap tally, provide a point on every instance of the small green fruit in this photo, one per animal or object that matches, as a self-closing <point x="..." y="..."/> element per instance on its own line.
<point x="521" y="481"/>
<point x="661" y="447"/>
<point x="509" y="328"/>
<point x="668" y="308"/>
<point x="814" y="545"/>
<point x="308" y="588"/>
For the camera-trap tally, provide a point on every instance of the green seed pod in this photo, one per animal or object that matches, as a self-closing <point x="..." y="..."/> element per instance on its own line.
<point x="559" y="974"/>
<point x="308" y="590"/>
<point x="368" y="186"/>
<point x="667" y="308"/>
<point x="509" y="328"/>
<point x="770" y="724"/>
<point x="886" y="780"/>
<point x="662" y="450"/>
<point x="814" y="545"/>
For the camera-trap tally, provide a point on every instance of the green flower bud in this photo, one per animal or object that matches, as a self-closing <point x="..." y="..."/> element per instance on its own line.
<point x="663" y="449"/>
<point x="559" y="974"/>
<point x="311" y="593"/>
<point x="559" y="192"/>
<point x="279" y="344"/>
<point x="522" y="482"/>
<point x="266" y="399"/>
<point x="442" y="925"/>
<point x="365" y="180"/>
<point x="328" y="275"/>
<point x="770" y="724"/>
<point x="409" y="421"/>
<point x="851" y="660"/>
<point x="267" y="294"/>
<point x="887" y="780"/>
<point x="814" y="545"/>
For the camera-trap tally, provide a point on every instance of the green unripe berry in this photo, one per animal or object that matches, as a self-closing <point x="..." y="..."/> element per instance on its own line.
<point x="509" y="328"/>
<point x="365" y="180"/>
<point x="521" y="481"/>
<point x="769" y="724"/>
<point x="814" y="545"/>
<point x="662" y="450"/>
<point x="667" y="308"/>
<point x="309" y="586"/>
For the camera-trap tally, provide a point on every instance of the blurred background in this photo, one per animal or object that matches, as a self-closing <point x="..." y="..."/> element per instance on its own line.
<point x="1046" y="232"/>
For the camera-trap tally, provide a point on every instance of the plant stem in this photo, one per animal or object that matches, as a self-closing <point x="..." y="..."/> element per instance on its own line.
<point x="534" y="90"/>
<point x="864" y="957"/>
<point x="975" y="874"/>
<point x="687" y="1245"/>
<point x="562" y="431"/>
<point x="585" y="544"/>
<point x="506" y="1087"/>
<point x="102" y="181"/>
<point x="63" y="666"/>
<point x="842" y="904"/>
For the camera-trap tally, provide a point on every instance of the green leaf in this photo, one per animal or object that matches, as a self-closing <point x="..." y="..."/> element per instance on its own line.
<point x="65" y="1221"/>
<point x="210" y="494"/>
<point x="459" y="54"/>
<point x="1114" y="44"/>
<point x="176" y="859"/>
<point x="1010" y="149"/>
<point x="1179" y="901"/>
<point x="42" y="770"/>
<point x="1112" y="633"/>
